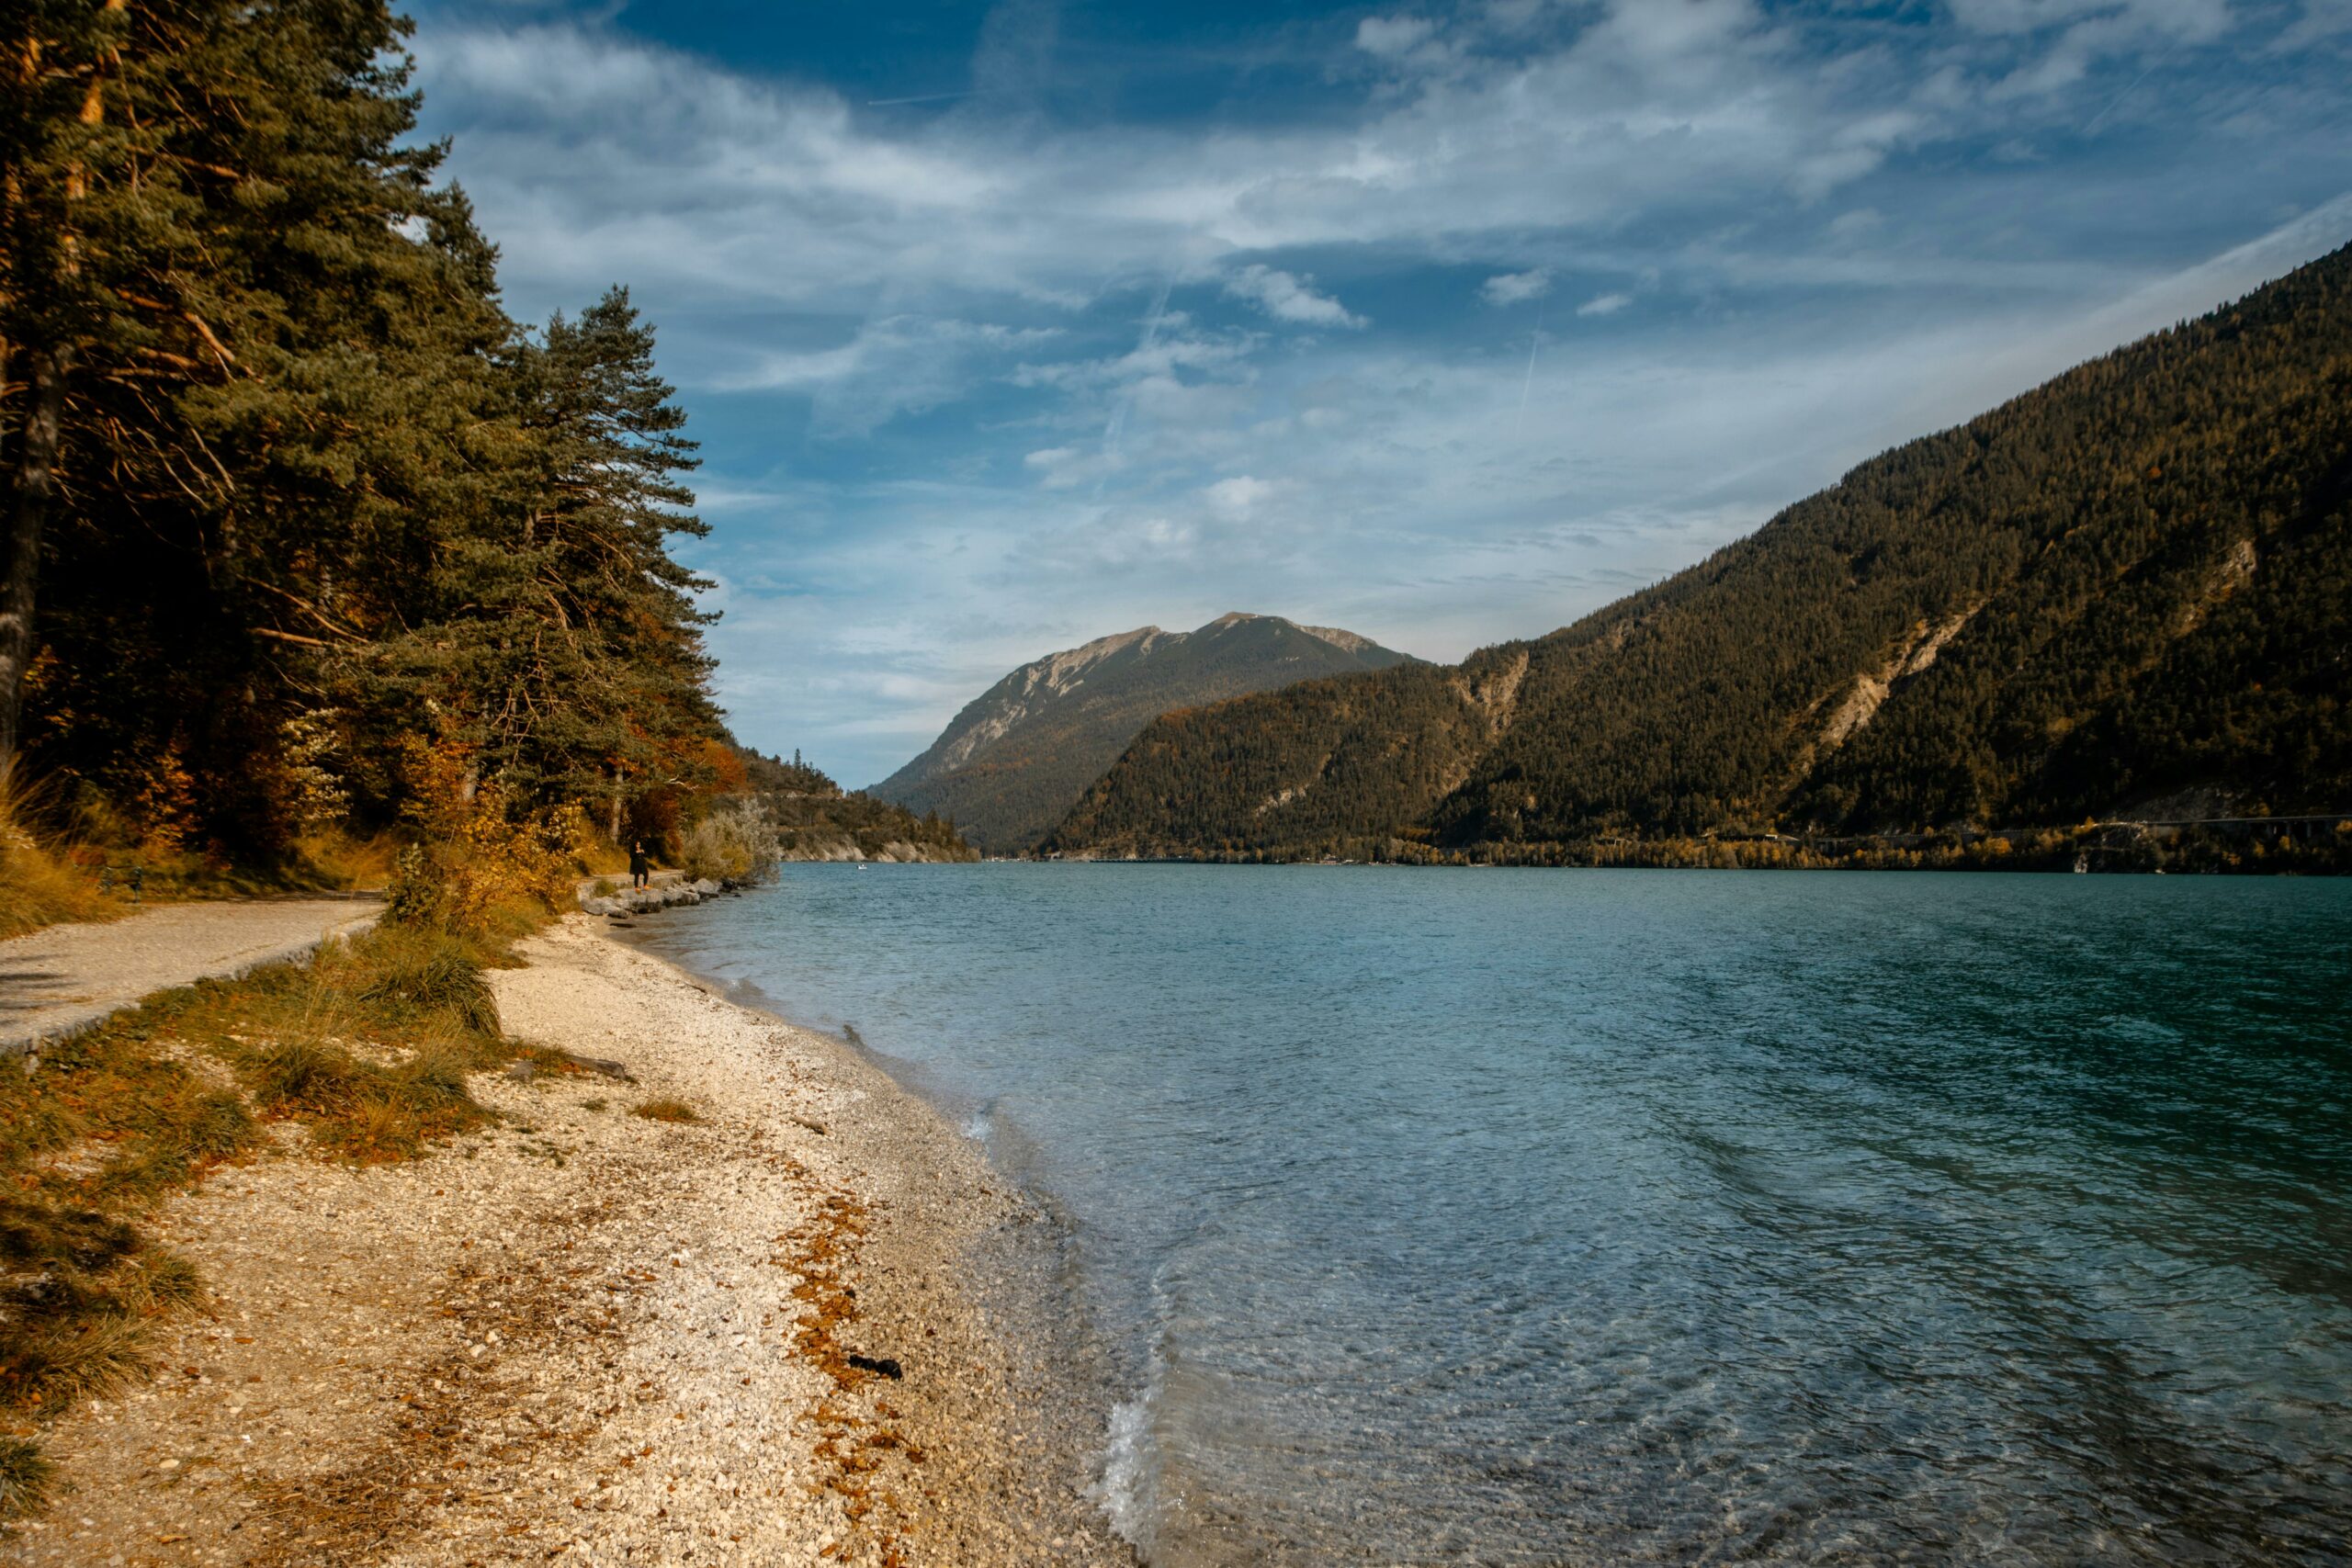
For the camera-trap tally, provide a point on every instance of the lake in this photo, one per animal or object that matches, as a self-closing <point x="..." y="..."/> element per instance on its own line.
<point x="1624" y="1217"/>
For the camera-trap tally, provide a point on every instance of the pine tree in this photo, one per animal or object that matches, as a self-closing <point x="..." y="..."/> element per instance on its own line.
<point x="563" y="646"/>
<point x="285" y="485"/>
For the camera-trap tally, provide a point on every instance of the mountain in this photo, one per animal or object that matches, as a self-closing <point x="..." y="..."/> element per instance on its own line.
<point x="2128" y="590"/>
<point x="1017" y="758"/>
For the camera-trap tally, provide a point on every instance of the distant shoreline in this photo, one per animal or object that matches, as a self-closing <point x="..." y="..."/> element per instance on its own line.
<point x="2305" y="845"/>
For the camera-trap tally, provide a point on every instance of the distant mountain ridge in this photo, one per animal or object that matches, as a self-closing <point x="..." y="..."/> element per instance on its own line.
<point x="2128" y="590"/>
<point x="1016" y="759"/>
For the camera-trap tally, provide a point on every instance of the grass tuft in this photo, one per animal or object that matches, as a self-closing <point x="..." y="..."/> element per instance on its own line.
<point x="431" y="1081"/>
<point x="24" y="1478"/>
<point x="422" y="972"/>
<point x="165" y="1285"/>
<point x="83" y="1356"/>
<point x="666" y="1110"/>
<point x="303" y="1075"/>
<point x="219" y="1128"/>
<point x="378" y="1133"/>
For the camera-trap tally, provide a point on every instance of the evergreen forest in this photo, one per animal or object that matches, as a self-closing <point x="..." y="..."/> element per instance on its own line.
<point x="305" y="534"/>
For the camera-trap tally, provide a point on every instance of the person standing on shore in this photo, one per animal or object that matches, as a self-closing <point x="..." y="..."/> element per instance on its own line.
<point x="640" y="864"/>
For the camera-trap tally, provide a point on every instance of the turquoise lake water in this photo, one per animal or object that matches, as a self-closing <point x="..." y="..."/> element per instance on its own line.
<point x="1634" y="1217"/>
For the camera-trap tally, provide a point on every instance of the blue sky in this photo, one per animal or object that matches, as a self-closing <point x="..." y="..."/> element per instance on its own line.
<point x="1007" y="326"/>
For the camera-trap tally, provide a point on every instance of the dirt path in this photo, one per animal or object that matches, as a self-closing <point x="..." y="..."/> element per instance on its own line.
<point x="65" y="978"/>
<point x="586" y="1336"/>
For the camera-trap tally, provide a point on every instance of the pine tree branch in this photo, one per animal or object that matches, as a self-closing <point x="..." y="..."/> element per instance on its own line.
<point x="294" y="638"/>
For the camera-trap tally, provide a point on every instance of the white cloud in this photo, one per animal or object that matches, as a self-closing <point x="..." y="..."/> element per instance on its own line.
<point x="1287" y="298"/>
<point x="2194" y="19"/>
<point x="1093" y="459"/>
<point x="1238" y="496"/>
<point x="1858" y="223"/>
<point x="1067" y="467"/>
<point x="1390" y="37"/>
<point x="1165" y="356"/>
<point x="2321" y="21"/>
<point x="895" y="364"/>
<point x="604" y="155"/>
<point x="1514" y="288"/>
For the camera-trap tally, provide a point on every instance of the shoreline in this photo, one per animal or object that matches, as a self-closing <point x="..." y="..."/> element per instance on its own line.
<point x="587" y="1336"/>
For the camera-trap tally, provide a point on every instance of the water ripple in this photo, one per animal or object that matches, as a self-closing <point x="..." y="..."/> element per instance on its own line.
<point x="1655" y="1218"/>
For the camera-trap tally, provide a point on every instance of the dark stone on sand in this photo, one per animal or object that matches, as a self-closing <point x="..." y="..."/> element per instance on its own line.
<point x="882" y="1364"/>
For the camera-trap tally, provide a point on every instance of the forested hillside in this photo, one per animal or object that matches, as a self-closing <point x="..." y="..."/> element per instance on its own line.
<point x="302" y="527"/>
<point x="2127" y="592"/>
<point x="814" y="818"/>
<point x="1016" y="759"/>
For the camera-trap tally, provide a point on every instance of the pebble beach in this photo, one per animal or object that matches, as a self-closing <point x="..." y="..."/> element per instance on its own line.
<point x="806" y="1322"/>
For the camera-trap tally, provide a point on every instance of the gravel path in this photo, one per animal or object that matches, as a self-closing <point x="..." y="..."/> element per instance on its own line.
<point x="62" y="979"/>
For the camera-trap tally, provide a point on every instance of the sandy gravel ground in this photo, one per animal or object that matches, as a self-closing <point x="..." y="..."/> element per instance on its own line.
<point x="69" y="977"/>
<point x="589" y="1337"/>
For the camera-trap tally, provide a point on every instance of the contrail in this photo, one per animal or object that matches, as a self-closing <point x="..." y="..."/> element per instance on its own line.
<point x="2162" y="60"/>
<point x="1528" y="386"/>
<point x="1118" y="421"/>
<point x="924" y="99"/>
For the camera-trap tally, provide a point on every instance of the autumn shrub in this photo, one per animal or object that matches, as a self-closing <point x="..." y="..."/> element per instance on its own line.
<point x="482" y="864"/>
<point x="734" y="842"/>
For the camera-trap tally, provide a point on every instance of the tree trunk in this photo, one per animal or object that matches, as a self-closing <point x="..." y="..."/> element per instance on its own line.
<point x="35" y="490"/>
<point x="617" y="803"/>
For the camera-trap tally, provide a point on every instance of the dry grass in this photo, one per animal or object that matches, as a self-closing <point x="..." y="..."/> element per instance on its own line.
<point x="600" y="857"/>
<point x="37" y="891"/>
<point x="420" y="976"/>
<point x="24" y="1478"/>
<point x="40" y="889"/>
<point x="341" y="860"/>
<point x="368" y="1048"/>
<point x="39" y="885"/>
<point x="666" y="1110"/>
<point x="82" y="1292"/>
<point x="51" y="858"/>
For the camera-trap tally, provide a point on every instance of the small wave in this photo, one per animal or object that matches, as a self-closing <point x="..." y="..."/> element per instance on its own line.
<point x="1127" y="1489"/>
